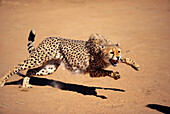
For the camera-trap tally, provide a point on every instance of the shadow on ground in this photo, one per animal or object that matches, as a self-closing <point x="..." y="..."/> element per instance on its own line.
<point x="160" y="108"/>
<point x="85" y="90"/>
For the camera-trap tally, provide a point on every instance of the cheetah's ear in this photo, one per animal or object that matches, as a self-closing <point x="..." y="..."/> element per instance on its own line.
<point x="118" y="44"/>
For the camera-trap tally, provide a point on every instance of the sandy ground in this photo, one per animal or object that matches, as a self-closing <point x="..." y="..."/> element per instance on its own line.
<point x="142" y="27"/>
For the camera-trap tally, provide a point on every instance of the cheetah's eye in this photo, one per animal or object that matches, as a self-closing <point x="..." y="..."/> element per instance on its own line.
<point x="112" y="53"/>
<point x="118" y="51"/>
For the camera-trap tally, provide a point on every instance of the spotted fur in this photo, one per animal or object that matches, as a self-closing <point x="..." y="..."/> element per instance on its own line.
<point x="91" y="56"/>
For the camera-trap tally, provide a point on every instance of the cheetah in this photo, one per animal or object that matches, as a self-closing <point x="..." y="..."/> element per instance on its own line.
<point x="91" y="56"/>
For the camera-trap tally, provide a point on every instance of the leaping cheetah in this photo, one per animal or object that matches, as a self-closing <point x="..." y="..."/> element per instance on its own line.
<point x="79" y="56"/>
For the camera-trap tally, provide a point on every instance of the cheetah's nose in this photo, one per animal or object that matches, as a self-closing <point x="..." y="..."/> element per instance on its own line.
<point x="118" y="58"/>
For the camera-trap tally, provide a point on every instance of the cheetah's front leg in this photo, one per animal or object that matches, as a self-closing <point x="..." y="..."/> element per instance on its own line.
<point x="130" y="62"/>
<point x="103" y="73"/>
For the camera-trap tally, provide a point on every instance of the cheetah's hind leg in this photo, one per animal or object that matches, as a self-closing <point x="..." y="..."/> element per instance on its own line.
<point x="46" y="69"/>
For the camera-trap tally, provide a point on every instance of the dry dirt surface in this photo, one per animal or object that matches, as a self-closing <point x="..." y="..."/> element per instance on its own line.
<point x="142" y="27"/>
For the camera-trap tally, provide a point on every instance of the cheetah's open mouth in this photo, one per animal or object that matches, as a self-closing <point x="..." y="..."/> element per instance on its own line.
<point x="113" y="62"/>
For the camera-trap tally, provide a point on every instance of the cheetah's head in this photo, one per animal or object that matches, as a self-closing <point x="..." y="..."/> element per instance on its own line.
<point x="112" y="54"/>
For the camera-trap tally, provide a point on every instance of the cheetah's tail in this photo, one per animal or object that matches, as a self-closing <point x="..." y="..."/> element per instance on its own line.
<point x="31" y="39"/>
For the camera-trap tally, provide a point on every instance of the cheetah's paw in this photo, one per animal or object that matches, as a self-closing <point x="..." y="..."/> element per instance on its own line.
<point x="115" y="75"/>
<point x="26" y="86"/>
<point x="2" y="84"/>
<point x="136" y="66"/>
